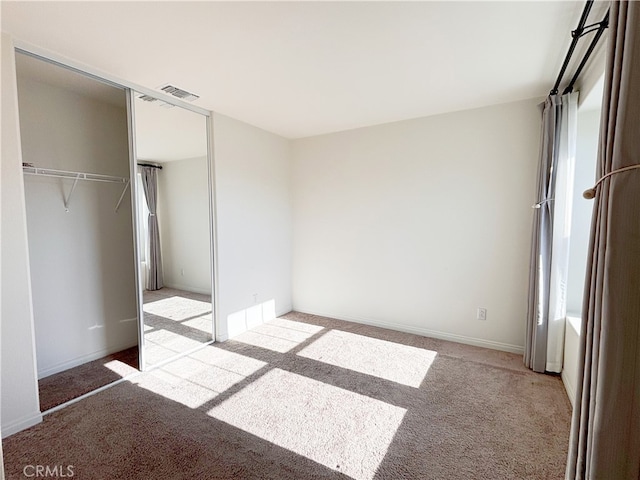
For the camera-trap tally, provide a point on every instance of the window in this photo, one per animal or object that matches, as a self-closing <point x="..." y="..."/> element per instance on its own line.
<point x="143" y="224"/>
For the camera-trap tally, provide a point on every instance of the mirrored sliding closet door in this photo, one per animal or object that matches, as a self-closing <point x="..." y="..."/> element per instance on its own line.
<point x="174" y="236"/>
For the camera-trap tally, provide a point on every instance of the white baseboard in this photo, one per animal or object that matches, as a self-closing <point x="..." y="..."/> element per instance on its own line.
<point x="284" y="311"/>
<point x="188" y="288"/>
<point x="21" y="423"/>
<point x="74" y="362"/>
<point x="425" y="332"/>
<point x="569" y="387"/>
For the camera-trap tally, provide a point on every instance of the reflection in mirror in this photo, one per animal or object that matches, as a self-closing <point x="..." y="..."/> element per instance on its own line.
<point x="173" y="227"/>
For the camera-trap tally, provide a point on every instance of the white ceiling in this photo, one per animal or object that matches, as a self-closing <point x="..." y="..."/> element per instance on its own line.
<point x="306" y="68"/>
<point x="166" y="134"/>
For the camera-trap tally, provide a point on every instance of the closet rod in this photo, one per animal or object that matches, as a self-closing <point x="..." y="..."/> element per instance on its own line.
<point x="150" y="165"/>
<point x="47" y="172"/>
<point x="75" y="176"/>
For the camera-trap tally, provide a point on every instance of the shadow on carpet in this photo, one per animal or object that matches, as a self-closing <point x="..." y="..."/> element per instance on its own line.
<point x="307" y="397"/>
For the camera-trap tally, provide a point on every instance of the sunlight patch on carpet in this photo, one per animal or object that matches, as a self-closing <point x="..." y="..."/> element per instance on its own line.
<point x="200" y="377"/>
<point x="387" y="360"/>
<point x="278" y="335"/>
<point x="162" y="344"/>
<point x="178" y="308"/>
<point x="156" y="353"/>
<point x="231" y="361"/>
<point x="342" y="430"/>
<point x="119" y="367"/>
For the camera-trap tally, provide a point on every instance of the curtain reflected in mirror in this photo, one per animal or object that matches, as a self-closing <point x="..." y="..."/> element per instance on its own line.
<point x="173" y="228"/>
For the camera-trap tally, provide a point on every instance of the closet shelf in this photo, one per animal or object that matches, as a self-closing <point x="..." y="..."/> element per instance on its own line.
<point x="75" y="176"/>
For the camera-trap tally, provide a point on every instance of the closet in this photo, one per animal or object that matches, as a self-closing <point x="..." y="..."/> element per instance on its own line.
<point x="119" y="207"/>
<point x="75" y="152"/>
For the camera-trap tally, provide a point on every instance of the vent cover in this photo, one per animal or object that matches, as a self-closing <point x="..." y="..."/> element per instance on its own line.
<point x="150" y="99"/>
<point x="179" y="93"/>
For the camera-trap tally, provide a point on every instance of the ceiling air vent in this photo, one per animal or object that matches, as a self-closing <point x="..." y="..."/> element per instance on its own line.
<point x="179" y="93"/>
<point x="150" y="99"/>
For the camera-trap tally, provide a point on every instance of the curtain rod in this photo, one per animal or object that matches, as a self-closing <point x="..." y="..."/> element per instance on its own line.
<point x="150" y="165"/>
<point x="576" y="35"/>
<point x="599" y="31"/>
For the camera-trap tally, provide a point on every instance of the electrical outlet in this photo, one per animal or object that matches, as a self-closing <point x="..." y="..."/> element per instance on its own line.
<point x="482" y="314"/>
<point x="182" y="272"/>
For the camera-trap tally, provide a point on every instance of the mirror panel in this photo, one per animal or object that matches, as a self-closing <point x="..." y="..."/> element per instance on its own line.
<point x="173" y="228"/>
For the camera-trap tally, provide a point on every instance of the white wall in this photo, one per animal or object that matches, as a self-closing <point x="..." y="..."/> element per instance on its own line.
<point x="82" y="263"/>
<point x="591" y="80"/>
<point x="253" y="203"/>
<point x="585" y="173"/>
<point x="183" y="216"/>
<point x="571" y="353"/>
<point x="416" y="224"/>
<point x="20" y="405"/>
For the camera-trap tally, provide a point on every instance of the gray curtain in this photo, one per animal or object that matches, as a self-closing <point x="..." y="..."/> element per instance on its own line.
<point x="605" y="432"/>
<point x="154" y="260"/>
<point x="549" y="263"/>
<point x="535" y="356"/>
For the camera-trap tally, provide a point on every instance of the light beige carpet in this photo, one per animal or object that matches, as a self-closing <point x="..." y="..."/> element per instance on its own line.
<point x="175" y="321"/>
<point x="61" y="387"/>
<point x="307" y="397"/>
